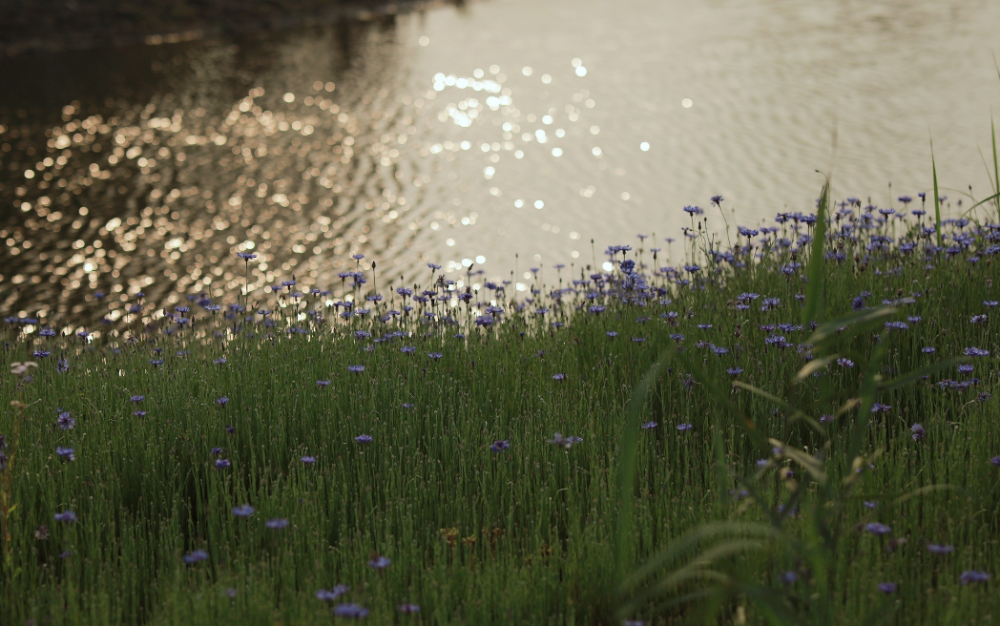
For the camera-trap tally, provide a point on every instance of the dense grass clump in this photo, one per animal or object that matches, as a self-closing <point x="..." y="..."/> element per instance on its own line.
<point x="452" y="455"/>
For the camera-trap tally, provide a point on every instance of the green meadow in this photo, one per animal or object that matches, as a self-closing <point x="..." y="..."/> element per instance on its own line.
<point x="794" y="424"/>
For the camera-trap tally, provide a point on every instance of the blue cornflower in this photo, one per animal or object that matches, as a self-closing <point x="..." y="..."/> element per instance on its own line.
<point x="973" y="576"/>
<point x="408" y="405"/>
<point x="139" y="413"/>
<point x="223" y="401"/>
<point x="976" y="352"/>
<point x="693" y="210"/>
<point x="322" y="383"/>
<point x="938" y="548"/>
<point x="363" y="439"/>
<point x="244" y="510"/>
<point x="559" y="377"/>
<point x="329" y="595"/>
<point x="928" y="350"/>
<point x="308" y="460"/>
<point x="65" y="421"/>
<point x="408" y="608"/>
<point x="350" y="610"/>
<point x="845" y="362"/>
<point x="734" y="371"/>
<point x="684" y="427"/>
<point x="355" y="369"/>
<point x="596" y="309"/>
<point x="870" y="505"/>
<point x="435" y="355"/>
<point x="222" y="463"/>
<point x="991" y="303"/>
<point x="246" y="256"/>
<point x="500" y="445"/>
<point x="65" y="453"/>
<point x="876" y="528"/>
<point x="878" y="407"/>
<point x="612" y="334"/>
<point x="219" y="361"/>
<point x="649" y="425"/>
<point x="66" y="517"/>
<point x="276" y="524"/>
<point x="887" y="587"/>
<point x="195" y="556"/>
<point x="897" y="325"/>
<point x="407" y="349"/>
<point x="565" y="442"/>
<point x="379" y="562"/>
<point x="918" y="432"/>
<point x="137" y="398"/>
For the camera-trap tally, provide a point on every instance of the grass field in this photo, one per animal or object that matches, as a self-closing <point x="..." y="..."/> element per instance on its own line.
<point x="635" y="444"/>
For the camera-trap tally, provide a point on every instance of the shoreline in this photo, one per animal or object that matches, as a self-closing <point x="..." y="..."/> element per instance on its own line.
<point x="209" y="25"/>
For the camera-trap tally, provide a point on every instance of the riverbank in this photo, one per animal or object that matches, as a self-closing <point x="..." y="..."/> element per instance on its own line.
<point x="493" y="457"/>
<point x="61" y="25"/>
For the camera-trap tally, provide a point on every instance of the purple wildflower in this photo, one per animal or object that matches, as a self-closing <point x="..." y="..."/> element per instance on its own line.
<point x="276" y="524"/>
<point x="684" y="427"/>
<point x="244" y="510"/>
<point x="195" y="557"/>
<point x="500" y="445"/>
<point x="66" y="517"/>
<point x="363" y="439"/>
<point x="350" y="610"/>
<point x="876" y="528"/>
<point x="379" y="562"/>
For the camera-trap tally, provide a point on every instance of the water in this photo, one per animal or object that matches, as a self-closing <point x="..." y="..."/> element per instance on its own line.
<point x="418" y="138"/>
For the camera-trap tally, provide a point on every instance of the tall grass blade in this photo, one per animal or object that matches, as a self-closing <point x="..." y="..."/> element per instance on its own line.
<point x="814" y="290"/>
<point x="937" y="198"/>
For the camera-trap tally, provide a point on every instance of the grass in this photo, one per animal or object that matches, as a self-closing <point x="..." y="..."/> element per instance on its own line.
<point x="592" y="532"/>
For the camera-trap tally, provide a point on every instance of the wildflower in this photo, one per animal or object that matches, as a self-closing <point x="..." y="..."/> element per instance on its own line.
<point x="824" y="419"/>
<point x="379" y="562"/>
<point x="66" y="516"/>
<point x="219" y="361"/>
<point x="734" y="371"/>
<point x="991" y="303"/>
<point x="330" y="595"/>
<point x="222" y="463"/>
<point x="408" y="405"/>
<point x="789" y="577"/>
<point x="878" y="407"/>
<point x="65" y="422"/>
<point x="918" y="432"/>
<point x="693" y="210"/>
<point x="973" y="576"/>
<point x="65" y="453"/>
<point x="596" y="309"/>
<point x="995" y="461"/>
<point x="350" y="610"/>
<point x="41" y="533"/>
<point x="244" y="510"/>
<point x="231" y="593"/>
<point x="195" y="557"/>
<point x="223" y="401"/>
<point x="408" y="608"/>
<point x="965" y="368"/>
<point x="500" y="445"/>
<point x="407" y="349"/>
<point x="684" y="427"/>
<point x="246" y="256"/>
<point x="887" y="587"/>
<point x="363" y="439"/>
<point x="435" y="355"/>
<point x="322" y="383"/>
<point x="308" y="460"/>
<point x="139" y="413"/>
<point x="276" y="524"/>
<point x="649" y="425"/>
<point x="978" y="319"/>
<point x="870" y="505"/>
<point x="137" y="398"/>
<point x="937" y="548"/>
<point x="928" y="350"/>
<point x="976" y="352"/>
<point x="876" y="528"/>
<point x="559" y="377"/>
<point x="355" y="369"/>
<point x="845" y="362"/>
<point x="612" y="334"/>
<point x="565" y="442"/>
<point x="897" y="325"/>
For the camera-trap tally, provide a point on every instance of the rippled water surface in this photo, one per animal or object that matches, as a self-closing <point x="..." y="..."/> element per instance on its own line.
<point x="470" y="134"/>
